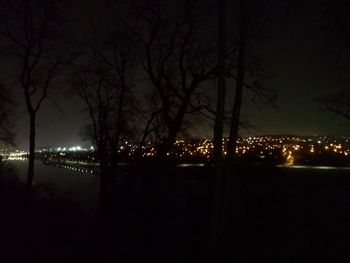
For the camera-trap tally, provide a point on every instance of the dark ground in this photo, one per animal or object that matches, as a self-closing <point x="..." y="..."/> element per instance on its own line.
<point x="161" y="215"/>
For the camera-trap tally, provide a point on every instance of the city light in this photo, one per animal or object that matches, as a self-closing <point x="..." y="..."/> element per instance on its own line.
<point x="289" y="150"/>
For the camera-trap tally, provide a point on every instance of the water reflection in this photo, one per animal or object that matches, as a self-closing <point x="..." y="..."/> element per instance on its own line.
<point x="16" y="158"/>
<point x="86" y="171"/>
<point x="313" y="167"/>
<point x="80" y="182"/>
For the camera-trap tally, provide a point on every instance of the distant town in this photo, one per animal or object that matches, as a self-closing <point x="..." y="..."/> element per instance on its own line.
<point x="284" y="150"/>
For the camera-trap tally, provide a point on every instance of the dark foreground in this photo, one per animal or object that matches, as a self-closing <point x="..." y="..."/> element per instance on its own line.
<point x="161" y="215"/>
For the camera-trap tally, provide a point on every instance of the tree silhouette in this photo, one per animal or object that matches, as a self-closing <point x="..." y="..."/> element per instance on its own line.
<point x="31" y="32"/>
<point x="337" y="103"/>
<point x="249" y="73"/>
<point x="176" y="56"/>
<point x="103" y="82"/>
<point x="153" y="126"/>
<point x="234" y="125"/>
<point x="217" y="186"/>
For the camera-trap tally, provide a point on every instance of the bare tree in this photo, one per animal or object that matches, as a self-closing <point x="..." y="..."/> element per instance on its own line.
<point x="217" y="188"/>
<point x="249" y="73"/>
<point x="234" y="126"/>
<point x="103" y="83"/>
<point x="176" y="56"/>
<point x="153" y="127"/>
<point x="338" y="103"/>
<point x="30" y="30"/>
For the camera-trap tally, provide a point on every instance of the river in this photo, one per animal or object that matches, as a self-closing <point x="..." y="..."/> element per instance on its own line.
<point x="81" y="185"/>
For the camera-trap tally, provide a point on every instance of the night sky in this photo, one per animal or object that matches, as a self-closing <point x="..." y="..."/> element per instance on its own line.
<point x="302" y="69"/>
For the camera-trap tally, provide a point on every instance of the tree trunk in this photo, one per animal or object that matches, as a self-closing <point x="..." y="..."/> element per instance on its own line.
<point x="30" y="174"/>
<point x="217" y="180"/>
<point x="174" y="129"/>
<point x="234" y="126"/>
<point x="104" y="183"/>
<point x="114" y="162"/>
<point x="145" y="134"/>
<point x="167" y="144"/>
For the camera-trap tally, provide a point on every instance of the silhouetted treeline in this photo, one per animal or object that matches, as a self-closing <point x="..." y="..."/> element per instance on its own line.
<point x="32" y="35"/>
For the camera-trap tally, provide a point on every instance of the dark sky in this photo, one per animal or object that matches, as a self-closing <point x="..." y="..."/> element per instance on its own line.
<point x="301" y="67"/>
<point x="304" y="69"/>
